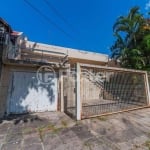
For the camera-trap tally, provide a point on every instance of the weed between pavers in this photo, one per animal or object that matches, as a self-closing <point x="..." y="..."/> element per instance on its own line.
<point x="102" y="118"/>
<point x="147" y="144"/>
<point x="50" y="127"/>
<point x="29" y="130"/>
<point x="40" y="134"/>
<point x="88" y="145"/>
<point x="136" y="146"/>
<point x="42" y="130"/>
<point x="78" y="123"/>
<point x="64" y="123"/>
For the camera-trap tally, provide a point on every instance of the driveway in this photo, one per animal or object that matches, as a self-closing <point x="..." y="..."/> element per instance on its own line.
<point x="56" y="131"/>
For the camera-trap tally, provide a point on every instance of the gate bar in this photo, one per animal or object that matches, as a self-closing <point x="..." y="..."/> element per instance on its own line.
<point x="78" y="100"/>
<point x="113" y="68"/>
<point x="147" y="89"/>
<point x="117" y="112"/>
<point x="61" y="91"/>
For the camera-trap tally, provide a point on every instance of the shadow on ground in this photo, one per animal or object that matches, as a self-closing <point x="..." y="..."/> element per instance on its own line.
<point x="22" y="118"/>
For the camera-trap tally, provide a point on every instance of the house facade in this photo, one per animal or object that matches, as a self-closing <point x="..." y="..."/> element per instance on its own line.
<point x="31" y="73"/>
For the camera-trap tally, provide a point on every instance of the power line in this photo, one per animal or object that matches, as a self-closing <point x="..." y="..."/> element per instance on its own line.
<point x="48" y="19"/>
<point x="62" y="17"/>
<point x="58" y="13"/>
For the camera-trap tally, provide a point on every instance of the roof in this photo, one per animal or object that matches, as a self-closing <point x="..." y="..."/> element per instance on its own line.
<point x="16" y="33"/>
<point x="72" y="53"/>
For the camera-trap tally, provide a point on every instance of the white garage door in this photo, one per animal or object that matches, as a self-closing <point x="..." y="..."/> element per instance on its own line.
<point x="27" y="94"/>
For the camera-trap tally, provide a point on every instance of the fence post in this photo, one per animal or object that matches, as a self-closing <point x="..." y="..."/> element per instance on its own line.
<point x="61" y="91"/>
<point x="78" y="100"/>
<point x="147" y="88"/>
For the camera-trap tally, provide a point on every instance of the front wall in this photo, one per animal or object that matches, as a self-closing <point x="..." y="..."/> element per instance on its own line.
<point x="85" y="61"/>
<point x="6" y="81"/>
<point x="90" y="91"/>
<point x="27" y="94"/>
<point x="4" y="89"/>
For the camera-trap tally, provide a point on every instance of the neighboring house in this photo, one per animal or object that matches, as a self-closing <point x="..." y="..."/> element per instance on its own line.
<point x="20" y="91"/>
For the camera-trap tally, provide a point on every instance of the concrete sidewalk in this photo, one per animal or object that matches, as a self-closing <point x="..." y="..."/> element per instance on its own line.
<point x="56" y="131"/>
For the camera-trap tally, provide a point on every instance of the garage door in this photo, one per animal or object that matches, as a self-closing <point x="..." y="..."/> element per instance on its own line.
<point x="27" y="94"/>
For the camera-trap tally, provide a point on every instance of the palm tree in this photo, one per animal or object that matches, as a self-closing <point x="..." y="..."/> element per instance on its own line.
<point x="145" y="49"/>
<point x="128" y="30"/>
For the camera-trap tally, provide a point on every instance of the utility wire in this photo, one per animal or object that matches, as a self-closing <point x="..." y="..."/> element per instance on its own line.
<point x="48" y="19"/>
<point x="58" y="14"/>
<point x="51" y="7"/>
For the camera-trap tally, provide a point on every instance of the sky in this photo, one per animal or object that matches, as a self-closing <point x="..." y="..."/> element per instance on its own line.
<point x="80" y="24"/>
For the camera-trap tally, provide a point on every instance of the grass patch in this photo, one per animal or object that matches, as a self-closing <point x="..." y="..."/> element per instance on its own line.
<point x="64" y="123"/>
<point x="88" y="145"/>
<point x="78" y="123"/>
<point x="50" y="127"/>
<point x="44" y="129"/>
<point x="57" y="130"/>
<point x="40" y="134"/>
<point x="102" y="118"/>
<point x="94" y="119"/>
<point x="147" y="144"/>
<point x="29" y="130"/>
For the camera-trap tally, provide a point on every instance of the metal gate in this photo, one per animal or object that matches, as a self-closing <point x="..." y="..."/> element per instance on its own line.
<point x="69" y="93"/>
<point x="106" y="90"/>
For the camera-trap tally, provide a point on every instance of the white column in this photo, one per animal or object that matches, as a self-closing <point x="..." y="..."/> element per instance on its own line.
<point x="61" y="91"/>
<point x="78" y="100"/>
<point x="147" y="89"/>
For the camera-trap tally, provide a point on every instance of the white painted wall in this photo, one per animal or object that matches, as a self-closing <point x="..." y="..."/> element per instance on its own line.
<point x="26" y="94"/>
<point x="72" y="53"/>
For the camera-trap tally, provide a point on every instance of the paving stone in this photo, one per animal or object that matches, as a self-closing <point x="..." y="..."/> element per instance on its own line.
<point x="14" y="129"/>
<point x="128" y="130"/>
<point x="117" y="124"/>
<point x="101" y="127"/>
<point x="34" y="146"/>
<point x="108" y="143"/>
<point x="140" y="140"/>
<point x="130" y="146"/>
<point x="11" y="146"/>
<point x="95" y="144"/>
<point x="29" y="130"/>
<point x="82" y="132"/>
<point x="67" y="134"/>
<point x="125" y="146"/>
<point x="72" y="144"/>
<point x="31" y="139"/>
<point x="49" y="138"/>
<point x="13" y="138"/>
<point x="138" y="125"/>
<point x="2" y="140"/>
<point x="70" y="139"/>
<point x="4" y="128"/>
<point x="123" y="136"/>
<point x="52" y="143"/>
<point x="107" y="129"/>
